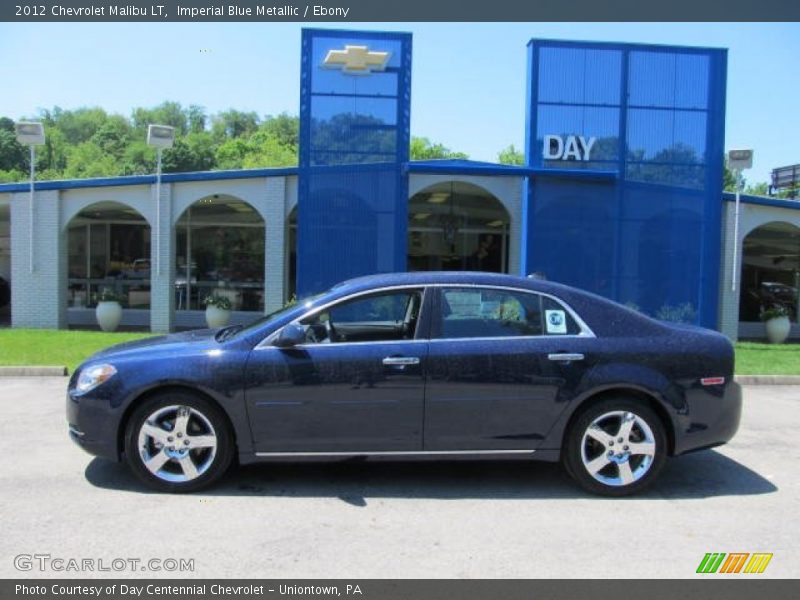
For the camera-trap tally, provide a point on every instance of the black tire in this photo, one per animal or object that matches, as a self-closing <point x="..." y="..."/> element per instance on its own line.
<point x="642" y="469"/>
<point x="203" y="421"/>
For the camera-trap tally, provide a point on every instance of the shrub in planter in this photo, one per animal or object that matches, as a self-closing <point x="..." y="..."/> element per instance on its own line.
<point x="218" y="310"/>
<point x="108" y="311"/>
<point x="776" y="321"/>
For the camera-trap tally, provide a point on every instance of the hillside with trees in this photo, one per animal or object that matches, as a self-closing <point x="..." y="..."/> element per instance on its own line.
<point x="90" y="142"/>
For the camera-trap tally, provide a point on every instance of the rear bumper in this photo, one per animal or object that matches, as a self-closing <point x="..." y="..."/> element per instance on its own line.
<point x="714" y="418"/>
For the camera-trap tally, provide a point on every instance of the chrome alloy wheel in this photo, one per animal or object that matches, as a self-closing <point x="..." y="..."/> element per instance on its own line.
<point x="618" y="448"/>
<point x="177" y="443"/>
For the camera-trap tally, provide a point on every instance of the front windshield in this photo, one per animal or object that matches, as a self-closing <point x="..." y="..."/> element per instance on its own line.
<point x="240" y="330"/>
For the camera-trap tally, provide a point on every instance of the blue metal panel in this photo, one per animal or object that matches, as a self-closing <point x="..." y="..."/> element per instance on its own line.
<point x="652" y="237"/>
<point x="354" y="142"/>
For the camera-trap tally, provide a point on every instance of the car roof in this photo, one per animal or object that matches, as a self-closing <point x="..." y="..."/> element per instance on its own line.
<point x="449" y="278"/>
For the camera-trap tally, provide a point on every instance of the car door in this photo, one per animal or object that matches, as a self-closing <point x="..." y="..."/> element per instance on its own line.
<point x="356" y="384"/>
<point x="501" y="367"/>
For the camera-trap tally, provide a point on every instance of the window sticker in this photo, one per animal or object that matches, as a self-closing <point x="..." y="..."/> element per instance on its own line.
<point x="556" y="321"/>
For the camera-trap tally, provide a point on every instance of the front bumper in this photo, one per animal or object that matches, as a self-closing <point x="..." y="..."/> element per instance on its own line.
<point x="714" y="418"/>
<point x="93" y="425"/>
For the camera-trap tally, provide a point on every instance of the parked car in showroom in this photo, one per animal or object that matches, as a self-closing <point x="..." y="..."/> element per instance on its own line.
<point x="412" y="365"/>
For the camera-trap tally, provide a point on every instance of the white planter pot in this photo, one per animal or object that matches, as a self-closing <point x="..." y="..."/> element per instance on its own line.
<point x="778" y="330"/>
<point x="108" y="314"/>
<point x="217" y="317"/>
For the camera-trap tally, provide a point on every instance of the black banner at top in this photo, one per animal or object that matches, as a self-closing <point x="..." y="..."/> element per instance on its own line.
<point x="350" y="11"/>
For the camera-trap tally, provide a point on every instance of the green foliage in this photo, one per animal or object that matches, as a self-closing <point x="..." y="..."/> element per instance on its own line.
<point x="107" y="295"/>
<point x="423" y="149"/>
<point x="775" y="311"/>
<point x="221" y="302"/>
<point x="511" y="156"/>
<point x="89" y="142"/>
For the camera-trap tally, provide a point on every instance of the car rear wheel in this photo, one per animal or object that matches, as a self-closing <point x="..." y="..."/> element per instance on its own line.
<point x="615" y="447"/>
<point x="178" y="442"/>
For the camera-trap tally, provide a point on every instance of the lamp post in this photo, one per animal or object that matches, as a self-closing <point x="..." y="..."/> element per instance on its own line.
<point x="738" y="161"/>
<point x="30" y="134"/>
<point x="160" y="137"/>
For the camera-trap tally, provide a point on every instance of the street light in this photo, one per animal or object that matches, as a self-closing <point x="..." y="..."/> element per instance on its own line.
<point x="160" y="137"/>
<point x="738" y="161"/>
<point x="30" y="134"/>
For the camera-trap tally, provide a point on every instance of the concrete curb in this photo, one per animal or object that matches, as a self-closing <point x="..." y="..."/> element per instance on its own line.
<point x="768" y="379"/>
<point x="33" y="371"/>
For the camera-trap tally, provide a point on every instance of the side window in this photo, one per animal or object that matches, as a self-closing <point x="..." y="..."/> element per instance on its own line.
<point x="485" y="312"/>
<point x="557" y="321"/>
<point x="376" y="318"/>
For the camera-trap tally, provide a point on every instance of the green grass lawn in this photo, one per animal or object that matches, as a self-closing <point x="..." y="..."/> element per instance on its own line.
<point x="767" y="359"/>
<point x="56" y="347"/>
<point x="69" y="348"/>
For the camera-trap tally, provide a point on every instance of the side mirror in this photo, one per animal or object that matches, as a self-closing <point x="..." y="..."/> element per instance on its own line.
<point x="291" y="335"/>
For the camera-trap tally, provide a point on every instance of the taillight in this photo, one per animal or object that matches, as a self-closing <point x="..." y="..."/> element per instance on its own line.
<point x="712" y="381"/>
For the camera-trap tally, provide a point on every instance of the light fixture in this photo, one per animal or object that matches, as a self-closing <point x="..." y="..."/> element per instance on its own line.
<point x="30" y="134"/>
<point x="421" y="216"/>
<point x="738" y="161"/>
<point x="496" y="223"/>
<point x="160" y="137"/>
<point x="438" y="197"/>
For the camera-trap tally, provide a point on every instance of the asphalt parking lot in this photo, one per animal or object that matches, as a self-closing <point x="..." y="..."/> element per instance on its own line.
<point x="382" y="520"/>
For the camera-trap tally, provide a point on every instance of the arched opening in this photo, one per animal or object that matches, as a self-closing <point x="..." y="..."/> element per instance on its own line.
<point x="219" y="249"/>
<point x="108" y="248"/>
<point x="457" y="226"/>
<point x="770" y="270"/>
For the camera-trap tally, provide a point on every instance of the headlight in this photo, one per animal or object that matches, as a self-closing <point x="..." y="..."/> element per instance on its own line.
<point x="93" y="376"/>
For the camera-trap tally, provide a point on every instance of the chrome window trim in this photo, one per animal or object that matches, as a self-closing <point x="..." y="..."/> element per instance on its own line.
<point x="393" y="453"/>
<point x="586" y="331"/>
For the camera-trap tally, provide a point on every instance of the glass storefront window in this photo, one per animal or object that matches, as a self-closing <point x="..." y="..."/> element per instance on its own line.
<point x="770" y="271"/>
<point x="220" y="250"/>
<point x="108" y="248"/>
<point x="457" y="226"/>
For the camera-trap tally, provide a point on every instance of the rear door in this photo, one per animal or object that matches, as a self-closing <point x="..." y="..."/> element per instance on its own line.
<point x="502" y="365"/>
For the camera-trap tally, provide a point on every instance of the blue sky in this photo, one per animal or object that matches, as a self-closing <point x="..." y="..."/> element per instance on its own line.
<point x="468" y="78"/>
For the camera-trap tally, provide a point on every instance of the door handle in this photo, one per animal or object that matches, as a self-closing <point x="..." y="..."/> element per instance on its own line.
<point x="400" y="361"/>
<point x="565" y="356"/>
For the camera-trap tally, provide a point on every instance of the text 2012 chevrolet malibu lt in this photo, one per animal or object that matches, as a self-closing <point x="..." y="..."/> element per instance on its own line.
<point x="415" y="365"/>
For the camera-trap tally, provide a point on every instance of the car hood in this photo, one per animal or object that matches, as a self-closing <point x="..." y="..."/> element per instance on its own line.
<point x="199" y="338"/>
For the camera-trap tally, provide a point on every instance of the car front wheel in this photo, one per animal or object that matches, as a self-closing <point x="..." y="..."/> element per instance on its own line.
<point x="616" y="448"/>
<point x="177" y="442"/>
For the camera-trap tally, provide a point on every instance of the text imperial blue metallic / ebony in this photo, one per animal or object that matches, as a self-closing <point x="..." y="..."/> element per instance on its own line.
<point x="415" y="365"/>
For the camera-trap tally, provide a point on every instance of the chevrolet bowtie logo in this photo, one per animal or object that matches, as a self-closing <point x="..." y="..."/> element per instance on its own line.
<point x="356" y="60"/>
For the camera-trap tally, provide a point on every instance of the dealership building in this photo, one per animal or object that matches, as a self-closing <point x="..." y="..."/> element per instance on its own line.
<point x="620" y="194"/>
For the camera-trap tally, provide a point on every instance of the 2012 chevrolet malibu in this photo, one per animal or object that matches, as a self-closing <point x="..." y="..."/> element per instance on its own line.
<point x="415" y="365"/>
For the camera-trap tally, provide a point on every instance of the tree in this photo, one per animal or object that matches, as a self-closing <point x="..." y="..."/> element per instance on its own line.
<point x="167" y="113"/>
<point x="285" y="128"/>
<point x="196" y="115"/>
<point x="12" y="154"/>
<point x="423" y="149"/>
<point x="234" y="123"/>
<point x="511" y="156"/>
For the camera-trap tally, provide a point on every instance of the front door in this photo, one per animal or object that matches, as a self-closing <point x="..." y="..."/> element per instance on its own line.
<point x="355" y="385"/>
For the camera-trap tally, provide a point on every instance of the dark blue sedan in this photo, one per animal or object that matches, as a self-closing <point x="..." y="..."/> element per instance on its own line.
<point x="415" y="365"/>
